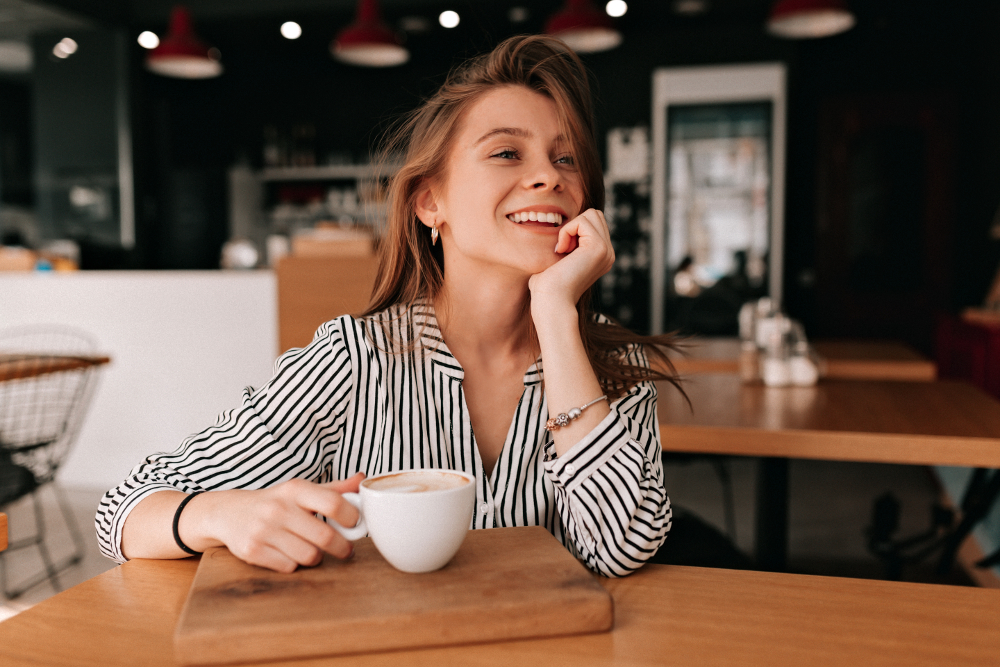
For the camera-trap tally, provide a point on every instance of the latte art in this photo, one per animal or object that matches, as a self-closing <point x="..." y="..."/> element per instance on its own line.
<point x="416" y="482"/>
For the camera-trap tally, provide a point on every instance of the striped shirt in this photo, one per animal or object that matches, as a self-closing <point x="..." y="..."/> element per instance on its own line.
<point x="383" y="393"/>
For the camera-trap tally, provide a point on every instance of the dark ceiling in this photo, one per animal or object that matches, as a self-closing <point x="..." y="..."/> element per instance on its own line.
<point x="142" y="12"/>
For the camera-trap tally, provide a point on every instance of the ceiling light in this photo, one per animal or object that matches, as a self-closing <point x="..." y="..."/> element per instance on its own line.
<point x="414" y="24"/>
<point x="616" y="8"/>
<point x="809" y="19"/>
<point x="65" y="48"/>
<point x="148" y="40"/>
<point x="690" y="7"/>
<point x="518" y="14"/>
<point x="584" y="28"/>
<point x="449" y="19"/>
<point x="181" y="54"/>
<point x="291" y="30"/>
<point x="368" y="41"/>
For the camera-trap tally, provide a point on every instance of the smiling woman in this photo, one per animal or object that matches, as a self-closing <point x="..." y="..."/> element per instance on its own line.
<point x="445" y="369"/>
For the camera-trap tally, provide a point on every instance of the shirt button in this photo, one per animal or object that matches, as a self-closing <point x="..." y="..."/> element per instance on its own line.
<point x="570" y="469"/>
<point x="484" y="508"/>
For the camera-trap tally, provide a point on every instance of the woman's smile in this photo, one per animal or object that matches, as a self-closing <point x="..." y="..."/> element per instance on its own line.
<point x="547" y="217"/>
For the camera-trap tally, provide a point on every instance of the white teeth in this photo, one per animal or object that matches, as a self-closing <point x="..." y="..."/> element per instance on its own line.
<point x="535" y="216"/>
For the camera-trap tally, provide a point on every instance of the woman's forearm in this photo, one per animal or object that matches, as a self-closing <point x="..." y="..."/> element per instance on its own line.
<point x="148" y="530"/>
<point x="570" y="381"/>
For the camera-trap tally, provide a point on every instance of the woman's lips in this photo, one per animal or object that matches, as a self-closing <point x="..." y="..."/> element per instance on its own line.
<point x="538" y="217"/>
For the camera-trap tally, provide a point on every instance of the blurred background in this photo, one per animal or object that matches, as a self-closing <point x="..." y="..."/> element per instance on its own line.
<point x="911" y="91"/>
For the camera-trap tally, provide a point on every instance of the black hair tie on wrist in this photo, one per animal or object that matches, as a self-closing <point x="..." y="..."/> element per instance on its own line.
<point x="177" y="520"/>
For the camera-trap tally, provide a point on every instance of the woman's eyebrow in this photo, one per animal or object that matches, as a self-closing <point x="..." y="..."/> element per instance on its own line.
<point x="509" y="131"/>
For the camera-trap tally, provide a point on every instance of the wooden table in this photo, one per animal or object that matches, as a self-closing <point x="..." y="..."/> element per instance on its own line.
<point x="839" y="359"/>
<point x="663" y="615"/>
<point x="20" y="366"/>
<point x="922" y="423"/>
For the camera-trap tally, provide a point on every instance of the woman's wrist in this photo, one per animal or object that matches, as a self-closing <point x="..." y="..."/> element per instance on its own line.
<point x="553" y="313"/>
<point x="194" y="524"/>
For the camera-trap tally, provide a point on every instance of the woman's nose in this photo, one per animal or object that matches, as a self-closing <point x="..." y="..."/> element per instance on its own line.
<point x="543" y="175"/>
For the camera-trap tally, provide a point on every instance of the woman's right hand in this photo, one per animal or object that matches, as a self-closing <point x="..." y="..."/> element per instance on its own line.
<point x="276" y="528"/>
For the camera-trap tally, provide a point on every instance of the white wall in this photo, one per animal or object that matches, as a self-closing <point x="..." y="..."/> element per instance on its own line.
<point x="183" y="345"/>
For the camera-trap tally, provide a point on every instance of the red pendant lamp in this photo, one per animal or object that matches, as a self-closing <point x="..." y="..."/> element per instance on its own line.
<point x="368" y="41"/>
<point x="583" y="27"/>
<point x="181" y="54"/>
<point x="809" y="19"/>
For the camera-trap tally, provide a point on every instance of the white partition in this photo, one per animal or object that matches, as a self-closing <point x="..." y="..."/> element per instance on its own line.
<point x="183" y="345"/>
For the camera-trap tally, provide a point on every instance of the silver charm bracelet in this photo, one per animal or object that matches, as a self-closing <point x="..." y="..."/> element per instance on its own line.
<point x="564" y="418"/>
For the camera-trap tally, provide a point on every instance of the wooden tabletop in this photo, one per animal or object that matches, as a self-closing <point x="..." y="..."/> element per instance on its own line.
<point x="19" y="366"/>
<point x="924" y="423"/>
<point x="663" y="615"/>
<point x="839" y="359"/>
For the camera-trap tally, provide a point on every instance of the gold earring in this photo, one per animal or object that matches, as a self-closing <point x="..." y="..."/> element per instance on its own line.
<point x="434" y="235"/>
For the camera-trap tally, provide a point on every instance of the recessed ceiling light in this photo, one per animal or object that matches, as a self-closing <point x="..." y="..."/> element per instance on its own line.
<point x="291" y="30"/>
<point x="518" y="14"/>
<point x="65" y="48"/>
<point x="616" y="8"/>
<point x="148" y="40"/>
<point x="690" y="7"/>
<point x="449" y="19"/>
<point x="414" y="24"/>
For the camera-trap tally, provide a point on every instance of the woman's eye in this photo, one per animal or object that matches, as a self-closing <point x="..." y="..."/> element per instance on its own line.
<point x="565" y="159"/>
<point x="507" y="154"/>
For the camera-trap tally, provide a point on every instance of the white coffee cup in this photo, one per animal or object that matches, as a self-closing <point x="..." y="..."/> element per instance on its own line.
<point x="416" y="518"/>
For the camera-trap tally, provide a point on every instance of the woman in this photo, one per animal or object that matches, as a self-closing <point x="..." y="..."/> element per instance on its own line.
<point x="495" y="238"/>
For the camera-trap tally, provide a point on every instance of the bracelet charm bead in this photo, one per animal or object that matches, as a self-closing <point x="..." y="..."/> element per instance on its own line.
<point x="564" y="418"/>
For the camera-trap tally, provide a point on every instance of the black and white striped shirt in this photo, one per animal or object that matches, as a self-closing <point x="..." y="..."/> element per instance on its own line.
<point x="357" y="399"/>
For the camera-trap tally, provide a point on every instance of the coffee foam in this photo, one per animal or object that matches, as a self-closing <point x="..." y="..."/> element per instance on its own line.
<point x="417" y="481"/>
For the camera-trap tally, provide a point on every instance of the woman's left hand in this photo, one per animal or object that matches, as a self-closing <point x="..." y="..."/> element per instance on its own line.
<point x="585" y="242"/>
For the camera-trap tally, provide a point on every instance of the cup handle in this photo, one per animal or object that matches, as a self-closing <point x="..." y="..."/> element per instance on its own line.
<point x="358" y="531"/>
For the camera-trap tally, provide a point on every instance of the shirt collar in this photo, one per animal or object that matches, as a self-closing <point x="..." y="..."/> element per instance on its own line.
<point x="426" y="325"/>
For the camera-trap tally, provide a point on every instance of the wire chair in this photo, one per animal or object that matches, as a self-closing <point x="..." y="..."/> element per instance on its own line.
<point x="48" y="378"/>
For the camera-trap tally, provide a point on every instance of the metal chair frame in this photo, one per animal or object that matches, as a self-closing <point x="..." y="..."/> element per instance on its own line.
<point x="40" y="417"/>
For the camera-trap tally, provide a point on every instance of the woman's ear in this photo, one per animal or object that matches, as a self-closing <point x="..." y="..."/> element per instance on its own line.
<point x="426" y="205"/>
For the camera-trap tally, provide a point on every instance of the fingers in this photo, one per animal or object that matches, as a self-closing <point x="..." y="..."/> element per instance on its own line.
<point x="278" y="528"/>
<point x="324" y="499"/>
<point x="349" y="485"/>
<point x="589" y="223"/>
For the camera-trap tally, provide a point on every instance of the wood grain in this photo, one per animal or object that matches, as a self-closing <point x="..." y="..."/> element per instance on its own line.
<point x="504" y="583"/>
<point x="20" y="366"/>
<point x="681" y="616"/>
<point x="313" y="290"/>
<point x="927" y="423"/>
<point x="3" y="531"/>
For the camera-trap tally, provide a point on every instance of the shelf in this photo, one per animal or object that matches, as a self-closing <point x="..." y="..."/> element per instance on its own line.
<point x="327" y="173"/>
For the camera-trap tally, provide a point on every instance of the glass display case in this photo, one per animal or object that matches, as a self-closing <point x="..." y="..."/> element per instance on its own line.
<point x="718" y="193"/>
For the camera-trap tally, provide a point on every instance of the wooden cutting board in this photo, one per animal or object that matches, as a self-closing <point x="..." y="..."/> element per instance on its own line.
<point x="504" y="583"/>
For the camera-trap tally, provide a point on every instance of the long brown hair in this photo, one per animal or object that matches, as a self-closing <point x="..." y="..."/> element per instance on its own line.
<point x="410" y="268"/>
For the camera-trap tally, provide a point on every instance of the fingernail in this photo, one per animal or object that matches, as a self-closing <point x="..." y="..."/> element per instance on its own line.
<point x="350" y="555"/>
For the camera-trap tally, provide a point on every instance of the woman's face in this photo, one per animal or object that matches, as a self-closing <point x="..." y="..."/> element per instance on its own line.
<point x="510" y="182"/>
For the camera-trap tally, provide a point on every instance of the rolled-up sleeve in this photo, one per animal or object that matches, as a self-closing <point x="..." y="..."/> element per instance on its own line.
<point x="286" y="429"/>
<point x="609" y="487"/>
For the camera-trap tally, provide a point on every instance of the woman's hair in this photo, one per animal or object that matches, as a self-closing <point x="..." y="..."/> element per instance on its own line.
<point x="411" y="268"/>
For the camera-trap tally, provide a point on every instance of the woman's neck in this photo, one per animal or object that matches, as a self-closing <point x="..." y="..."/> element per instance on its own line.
<point x="486" y="320"/>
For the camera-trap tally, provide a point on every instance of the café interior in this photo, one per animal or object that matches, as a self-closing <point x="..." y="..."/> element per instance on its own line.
<point x="806" y="191"/>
